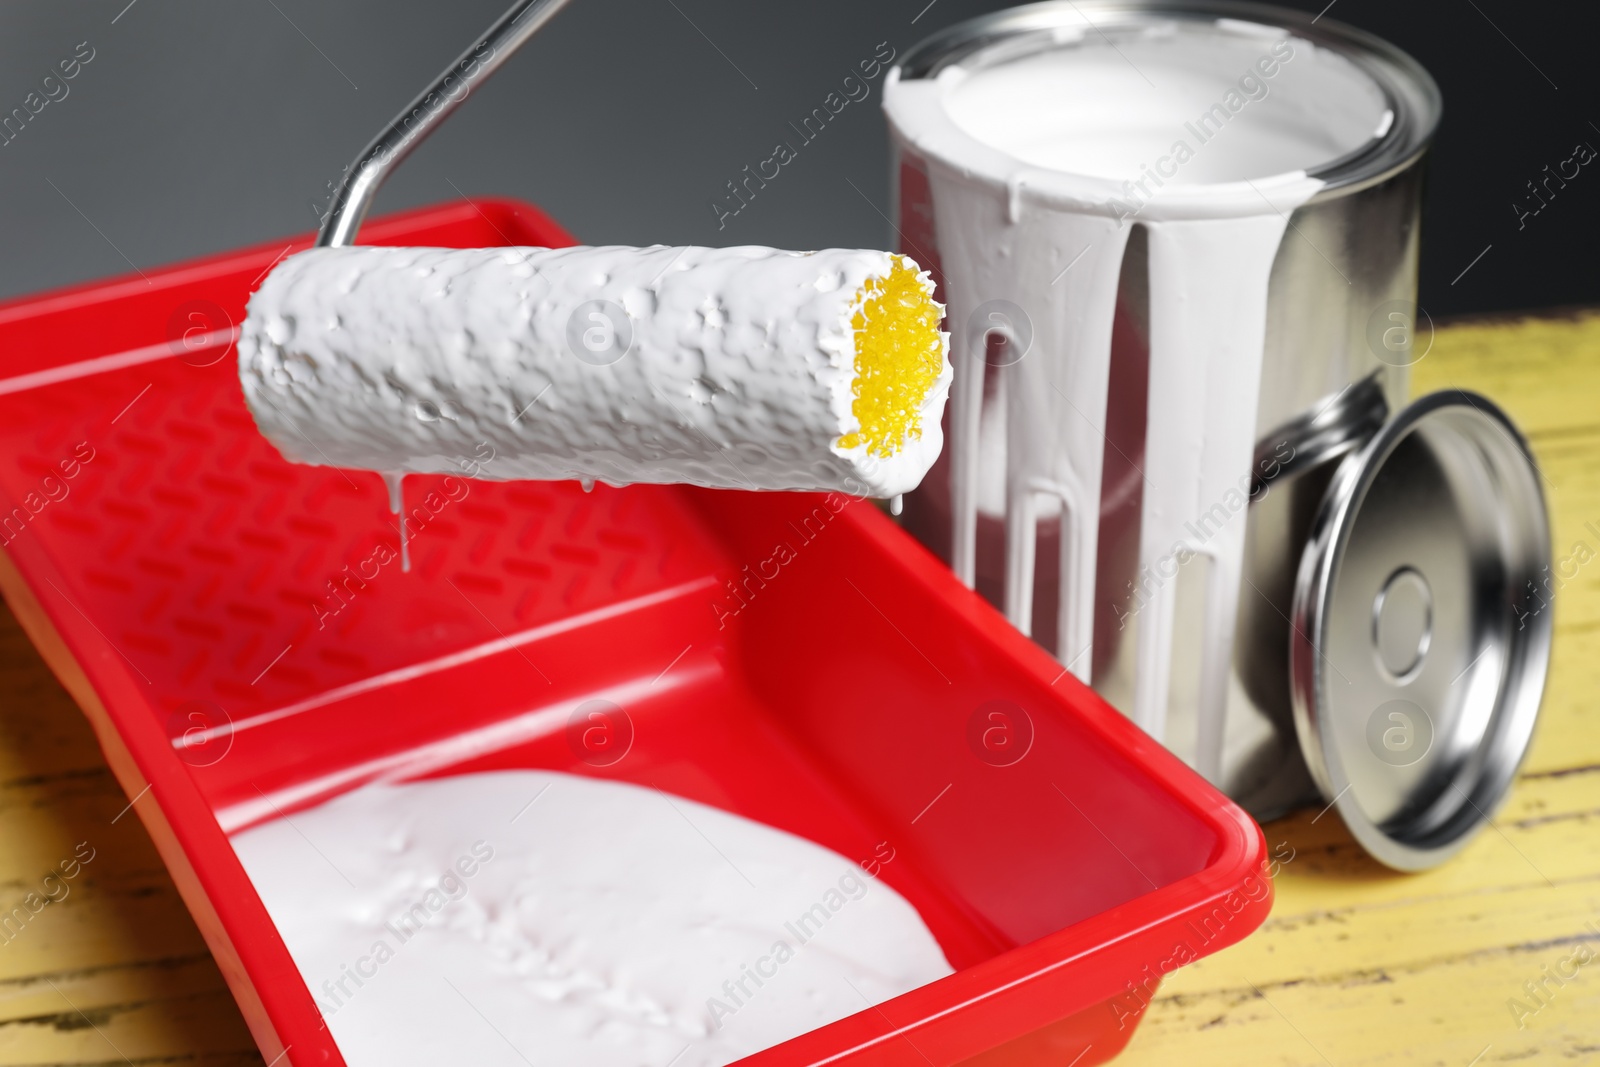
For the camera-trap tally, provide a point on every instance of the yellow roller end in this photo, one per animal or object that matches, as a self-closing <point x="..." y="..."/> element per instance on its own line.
<point x="899" y="355"/>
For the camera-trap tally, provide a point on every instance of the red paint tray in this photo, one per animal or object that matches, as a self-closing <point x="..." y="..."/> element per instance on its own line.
<point x="180" y="577"/>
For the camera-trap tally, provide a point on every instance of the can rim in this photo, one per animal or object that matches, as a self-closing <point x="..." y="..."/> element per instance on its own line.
<point x="1434" y="831"/>
<point x="1339" y="427"/>
<point x="1412" y="94"/>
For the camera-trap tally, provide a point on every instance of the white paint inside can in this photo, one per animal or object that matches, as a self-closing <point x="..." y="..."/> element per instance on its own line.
<point x="1248" y="105"/>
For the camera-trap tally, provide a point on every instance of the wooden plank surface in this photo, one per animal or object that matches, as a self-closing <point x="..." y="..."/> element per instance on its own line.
<point x="1356" y="966"/>
<point x="111" y="970"/>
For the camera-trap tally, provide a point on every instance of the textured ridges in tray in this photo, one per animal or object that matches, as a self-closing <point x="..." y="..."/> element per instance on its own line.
<point x="208" y="555"/>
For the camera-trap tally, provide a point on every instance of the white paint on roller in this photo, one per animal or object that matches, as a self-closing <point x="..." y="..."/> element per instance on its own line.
<point x="529" y="917"/>
<point x="1041" y="158"/>
<point x="737" y="371"/>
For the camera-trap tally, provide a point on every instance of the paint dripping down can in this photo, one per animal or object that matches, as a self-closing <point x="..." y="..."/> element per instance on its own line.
<point x="1178" y="242"/>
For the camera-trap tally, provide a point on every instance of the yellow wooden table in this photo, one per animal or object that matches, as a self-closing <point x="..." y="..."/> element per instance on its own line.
<point x="1460" y="966"/>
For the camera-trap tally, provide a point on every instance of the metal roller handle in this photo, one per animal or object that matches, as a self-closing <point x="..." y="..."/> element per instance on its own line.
<point x="424" y="114"/>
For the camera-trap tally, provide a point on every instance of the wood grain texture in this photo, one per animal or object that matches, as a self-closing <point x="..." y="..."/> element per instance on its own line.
<point x="112" y="970"/>
<point x="1357" y="965"/>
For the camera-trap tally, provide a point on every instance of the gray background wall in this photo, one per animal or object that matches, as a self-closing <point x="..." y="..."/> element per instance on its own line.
<point x="200" y="126"/>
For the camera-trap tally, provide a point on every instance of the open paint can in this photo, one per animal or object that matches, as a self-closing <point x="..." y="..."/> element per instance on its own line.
<point x="1178" y="245"/>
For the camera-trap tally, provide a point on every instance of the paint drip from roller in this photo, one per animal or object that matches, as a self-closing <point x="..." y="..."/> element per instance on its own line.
<point x="397" y="505"/>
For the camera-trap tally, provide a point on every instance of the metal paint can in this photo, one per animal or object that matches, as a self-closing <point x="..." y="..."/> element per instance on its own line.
<point x="1337" y="337"/>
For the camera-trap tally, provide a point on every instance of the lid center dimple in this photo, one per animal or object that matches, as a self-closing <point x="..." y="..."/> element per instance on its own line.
<point x="1402" y="623"/>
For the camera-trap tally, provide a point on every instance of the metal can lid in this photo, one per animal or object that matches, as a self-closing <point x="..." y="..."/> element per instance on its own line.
<point x="1421" y="633"/>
